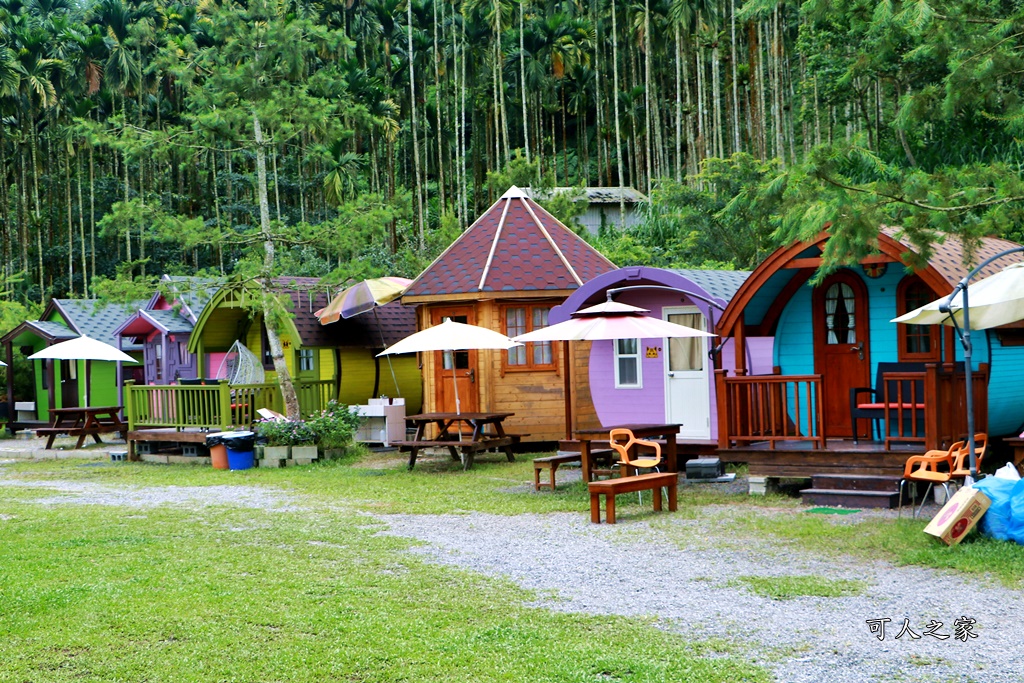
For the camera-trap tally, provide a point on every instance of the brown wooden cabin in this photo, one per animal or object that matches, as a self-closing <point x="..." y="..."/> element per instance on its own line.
<point x="506" y="272"/>
<point x="831" y="337"/>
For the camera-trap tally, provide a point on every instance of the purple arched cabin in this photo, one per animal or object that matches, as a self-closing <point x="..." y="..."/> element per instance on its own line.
<point x="647" y="380"/>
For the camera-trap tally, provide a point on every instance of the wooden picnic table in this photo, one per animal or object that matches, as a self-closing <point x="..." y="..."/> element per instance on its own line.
<point x="666" y="432"/>
<point x="485" y="431"/>
<point x="82" y="422"/>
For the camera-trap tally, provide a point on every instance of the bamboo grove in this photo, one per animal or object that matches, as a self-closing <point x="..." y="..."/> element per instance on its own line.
<point x="147" y="137"/>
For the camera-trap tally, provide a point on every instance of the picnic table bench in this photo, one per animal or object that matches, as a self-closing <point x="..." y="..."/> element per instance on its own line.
<point x="609" y="488"/>
<point x="83" y="422"/>
<point x="460" y="444"/>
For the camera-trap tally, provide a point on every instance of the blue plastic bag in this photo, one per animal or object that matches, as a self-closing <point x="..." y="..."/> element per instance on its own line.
<point x="996" y="521"/>
<point x="1017" y="512"/>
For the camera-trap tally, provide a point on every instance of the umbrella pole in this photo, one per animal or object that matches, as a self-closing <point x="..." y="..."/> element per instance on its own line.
<point x="392" y="367"/>
<point x="969" y="390"/>
<point x="568" y="390"/>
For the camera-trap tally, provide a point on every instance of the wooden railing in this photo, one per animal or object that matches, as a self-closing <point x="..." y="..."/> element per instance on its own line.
<point x="921" y="407"/>
<point x="221" y="406"/>
<point x="769" y="408"/>
<point x="945" y="418"/>
<point x="903" y="396"/>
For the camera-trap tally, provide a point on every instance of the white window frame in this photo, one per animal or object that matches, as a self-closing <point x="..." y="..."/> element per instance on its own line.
<point x="639" y="365"/>
<point x="304" y="355"/>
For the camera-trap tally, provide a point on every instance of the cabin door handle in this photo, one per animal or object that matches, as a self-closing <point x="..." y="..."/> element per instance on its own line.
<point x="859" y="348"/>
<point x="472" y="375"/>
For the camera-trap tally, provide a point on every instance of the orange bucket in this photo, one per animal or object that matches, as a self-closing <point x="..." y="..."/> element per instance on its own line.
<point x="219" y="457"/>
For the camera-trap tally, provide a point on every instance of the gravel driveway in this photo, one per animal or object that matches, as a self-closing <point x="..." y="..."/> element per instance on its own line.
<point x="576" y="566"/>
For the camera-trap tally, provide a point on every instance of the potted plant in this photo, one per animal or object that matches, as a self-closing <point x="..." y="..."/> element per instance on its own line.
<point x="303" y="440"/>
<point x="283" y="437"/>
<point x="335" y="428"/>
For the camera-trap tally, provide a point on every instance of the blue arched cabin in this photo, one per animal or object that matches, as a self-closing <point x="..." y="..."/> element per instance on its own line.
<point x="832" y="337"/>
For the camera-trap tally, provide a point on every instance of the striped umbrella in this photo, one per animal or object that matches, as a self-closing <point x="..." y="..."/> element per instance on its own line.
<point x="362" y="297"/>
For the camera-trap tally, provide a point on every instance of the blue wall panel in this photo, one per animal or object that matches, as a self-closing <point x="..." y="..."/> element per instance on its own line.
<point x="1005" y="404"/>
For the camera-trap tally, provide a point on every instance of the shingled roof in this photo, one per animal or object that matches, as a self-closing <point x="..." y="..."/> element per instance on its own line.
<point x="93" y="319"/>
<point x="948" y="257"/>
<point x="515" y="246"/>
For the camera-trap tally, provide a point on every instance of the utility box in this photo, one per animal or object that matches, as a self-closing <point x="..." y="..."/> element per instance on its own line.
<point x="383" y="420"/>
<point x="704" y="468"/>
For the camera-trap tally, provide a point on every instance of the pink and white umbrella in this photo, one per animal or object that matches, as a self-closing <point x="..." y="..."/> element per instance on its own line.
<point x="611" y="320"/>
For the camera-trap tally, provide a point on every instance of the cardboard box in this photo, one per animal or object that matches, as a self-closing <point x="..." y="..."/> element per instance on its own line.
<point x="958" y="515"/>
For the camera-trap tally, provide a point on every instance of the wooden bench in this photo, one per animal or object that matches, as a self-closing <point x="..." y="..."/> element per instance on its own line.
<point x="81" y="432"/>
<point x="551" y="463"/>
<point x="468" y="449"/>
<point x="609" y="488"/>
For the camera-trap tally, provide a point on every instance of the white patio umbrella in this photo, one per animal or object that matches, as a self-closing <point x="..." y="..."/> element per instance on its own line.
<point x="996" y="300"/>
<point x="451" y="336"/>
<point x="83" y="348"/>
<point x="606" y="321"/>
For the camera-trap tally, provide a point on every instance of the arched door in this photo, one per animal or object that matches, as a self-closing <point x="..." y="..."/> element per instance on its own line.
<point x="841" y="350"/>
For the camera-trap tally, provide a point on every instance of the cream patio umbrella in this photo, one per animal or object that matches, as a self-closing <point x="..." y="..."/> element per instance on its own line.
<point x="995" y="300"/>
<point x="607" y="321"/>
<point x="451" y="336"/>
<point x="83" y="348"/>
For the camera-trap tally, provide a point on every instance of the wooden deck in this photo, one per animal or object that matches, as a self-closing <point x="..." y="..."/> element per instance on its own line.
<point x="801" y="459"/>
<point x="196" y="436"/>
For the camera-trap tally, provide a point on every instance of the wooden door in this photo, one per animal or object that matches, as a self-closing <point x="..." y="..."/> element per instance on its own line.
<point x="69" y="384"/>
<point x="841" y="350"/>
<point x="460" y="364"/>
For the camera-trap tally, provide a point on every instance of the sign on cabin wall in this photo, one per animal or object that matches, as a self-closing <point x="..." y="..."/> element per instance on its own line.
<point x="653" y="351"/>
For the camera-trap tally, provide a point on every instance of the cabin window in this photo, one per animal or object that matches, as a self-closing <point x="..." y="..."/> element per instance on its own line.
<point x="306" y="361"/>
<point x="628" y="374"/>
<point x="183" y="356"/>
<point x="840" y="322"/>
<point x="158" y="353"/>
<point x="268" y="356"/>
<point x="916" y="342"/>
<point x="533" y="355"/>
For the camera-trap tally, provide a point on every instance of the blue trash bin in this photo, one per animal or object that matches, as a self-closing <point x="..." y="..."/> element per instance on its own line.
<point x="240" y="447"/>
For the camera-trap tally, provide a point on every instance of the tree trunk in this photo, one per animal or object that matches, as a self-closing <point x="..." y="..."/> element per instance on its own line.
<point x="415" y="139"/>
<point x="271" y="314"/>
<point x="615" y="99"/>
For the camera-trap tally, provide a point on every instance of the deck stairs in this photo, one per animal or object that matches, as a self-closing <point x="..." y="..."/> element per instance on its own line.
<point x="853" y="491"/>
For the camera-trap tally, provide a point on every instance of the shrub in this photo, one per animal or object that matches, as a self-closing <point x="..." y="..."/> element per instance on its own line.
<point x="334" y="426"/>
<point x="286" y="432"/>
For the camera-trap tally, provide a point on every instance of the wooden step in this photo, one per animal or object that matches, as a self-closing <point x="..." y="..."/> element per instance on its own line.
<point x="851" y="499"/>
<point x="855" y="482"/>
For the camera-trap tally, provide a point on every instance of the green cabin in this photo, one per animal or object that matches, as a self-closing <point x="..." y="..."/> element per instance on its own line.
<point x="62" y="383"/>
<point x="342" y="355"/>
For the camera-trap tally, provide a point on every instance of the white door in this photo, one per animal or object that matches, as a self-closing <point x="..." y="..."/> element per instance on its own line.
<point x="687" y="388"/>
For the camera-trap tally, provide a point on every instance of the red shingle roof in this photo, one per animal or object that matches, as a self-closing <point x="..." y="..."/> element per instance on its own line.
<point x="515" y="246"/>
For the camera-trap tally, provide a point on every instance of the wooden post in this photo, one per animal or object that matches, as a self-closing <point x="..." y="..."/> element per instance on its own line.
<point x="740" y="340"/>
<point x="129" y="404"/>
<point x="932" y="438"/>
<point x="723" y="409"/>
<point x="12" y="414"/>
<point x="224" y="399"/>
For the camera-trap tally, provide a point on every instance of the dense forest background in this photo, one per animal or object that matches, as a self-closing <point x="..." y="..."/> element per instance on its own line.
<point x="142" y="138"/>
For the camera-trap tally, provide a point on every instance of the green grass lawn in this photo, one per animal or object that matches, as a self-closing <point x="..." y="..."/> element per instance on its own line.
<point x="101" y="593"/>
